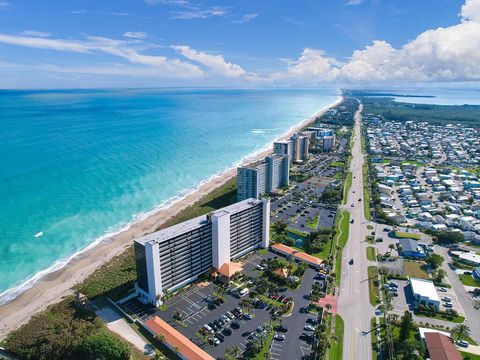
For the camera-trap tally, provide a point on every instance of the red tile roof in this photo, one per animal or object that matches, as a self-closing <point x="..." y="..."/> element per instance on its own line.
<point x="287" y="250"/>
<point x="441" y="347"/>
<point x="175" y="339"/>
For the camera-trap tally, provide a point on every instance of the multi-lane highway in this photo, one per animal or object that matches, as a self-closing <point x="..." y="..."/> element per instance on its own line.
<point x="353" y="302"/>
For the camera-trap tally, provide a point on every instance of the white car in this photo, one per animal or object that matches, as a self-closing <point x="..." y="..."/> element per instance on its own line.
<point x="442" y="289"/>
<point x="215" y="341"/>
<point x="260" y="267"/>
<point x="280" y="337"/>
<point x="447" y="299"/>
<point x="309" y="328"/>
<point x="378" y="312"/>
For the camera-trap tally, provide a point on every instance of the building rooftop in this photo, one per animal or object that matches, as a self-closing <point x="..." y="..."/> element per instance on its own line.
<point x="441" y="347"/>
<point x="424" y="288"/>
<point x="175" y="339"/>
<point x="195" y="223"/>
<point x="408" y="245"/>
<point x="287" y="250"/>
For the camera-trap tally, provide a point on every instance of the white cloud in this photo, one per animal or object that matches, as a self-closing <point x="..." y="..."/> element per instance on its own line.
<point x="355" y="2"/>
<point x="4" y="4"/>
<point x="167" y="2"/>
<point x="246" y="18"/>
<point x="36" y="33"/>
<point x="135" y="34"/>
<point x="120" y="48"/>
<point x="216" y="11"/>
<point x="470" y="10"/>
<point x="215" y="63"/>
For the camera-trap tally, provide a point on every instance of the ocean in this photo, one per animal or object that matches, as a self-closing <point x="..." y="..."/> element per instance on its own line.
<point x="441" y="96"/>
<point x="79" y="165"/>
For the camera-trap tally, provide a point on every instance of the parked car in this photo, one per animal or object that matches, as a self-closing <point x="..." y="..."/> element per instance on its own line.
<point x="217" y="302"/>
<point x="220" y="337"/>
<point x="393" y="285"/>
<point x="447" y="299"/>
<point x="227" y="332"/>
<point x="312" y="321"/>
<point x="230" y="315"/>
<point x="211" y="306"/>
<point x="279" y="337"/>
<point x="462" y="343"/>
<point x="448" y="305"/>
<point x="235" y="325"/>
<point x="281" y="328"/>
<point x="214" y="341"/>
<point x="309" y="328"/>
<point x="351" y="262"/>
<point x="442" y="289"/>
<point x="247" y="316"/>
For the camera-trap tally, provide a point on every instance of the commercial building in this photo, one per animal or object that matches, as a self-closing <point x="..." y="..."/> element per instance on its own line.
<point x="262" y="177"/>
<point x="325" y="138"/>
<point x="173" y="257"/>
<point x="288" y="251"/>
<point x="410" y="248"/>
<point x="424" y="293"/>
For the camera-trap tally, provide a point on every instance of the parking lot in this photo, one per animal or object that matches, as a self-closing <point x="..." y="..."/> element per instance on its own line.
<point x="193" y="305"/>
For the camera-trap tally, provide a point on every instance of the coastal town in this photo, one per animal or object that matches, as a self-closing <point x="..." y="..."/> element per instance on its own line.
<point x="355" y="237"/>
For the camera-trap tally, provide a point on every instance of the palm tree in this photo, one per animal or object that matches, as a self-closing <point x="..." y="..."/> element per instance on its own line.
<point x="460" y="331"/>
<point x="328" y="307"/>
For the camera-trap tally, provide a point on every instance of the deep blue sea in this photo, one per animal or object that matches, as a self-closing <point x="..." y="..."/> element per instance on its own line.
<point x="441" y="96"/>
<point x="80" y="165"/>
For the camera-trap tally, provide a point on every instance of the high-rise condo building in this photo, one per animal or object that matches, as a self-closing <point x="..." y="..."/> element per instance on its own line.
<point x="300" y="147"/>
<point x="265" y="176"/>
<point x="173" y="257"/>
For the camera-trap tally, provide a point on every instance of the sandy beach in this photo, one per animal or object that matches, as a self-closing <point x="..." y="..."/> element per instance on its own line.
<point x="55" y="285"/>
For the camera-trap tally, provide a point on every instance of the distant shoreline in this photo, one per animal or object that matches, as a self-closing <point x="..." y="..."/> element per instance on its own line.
<point x="50" y="285"/>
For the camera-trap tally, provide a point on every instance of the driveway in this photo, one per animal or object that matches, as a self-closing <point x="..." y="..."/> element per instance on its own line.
<point x="120" y="326"/>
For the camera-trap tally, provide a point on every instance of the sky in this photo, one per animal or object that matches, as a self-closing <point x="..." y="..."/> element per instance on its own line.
<point x="136" y="43"/>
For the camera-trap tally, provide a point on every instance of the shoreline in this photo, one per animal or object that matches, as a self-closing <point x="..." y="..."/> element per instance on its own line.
<point x="50" y="285"/>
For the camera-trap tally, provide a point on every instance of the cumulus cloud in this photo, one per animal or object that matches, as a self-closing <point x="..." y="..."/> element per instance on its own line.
<point x="135" y="34"/>
<point x="215" y="63"/>
<point x="443" y="54"/>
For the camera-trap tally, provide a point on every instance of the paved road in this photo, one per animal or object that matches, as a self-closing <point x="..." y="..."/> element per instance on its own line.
<point x="472" y="316"/>
<point x="353" y="302"/>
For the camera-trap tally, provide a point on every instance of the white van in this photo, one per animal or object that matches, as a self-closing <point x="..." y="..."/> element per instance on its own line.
<point x="244" y="292"/>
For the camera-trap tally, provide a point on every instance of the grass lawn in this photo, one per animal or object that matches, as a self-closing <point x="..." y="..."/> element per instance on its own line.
<point x="373" y="325"/>
<point x="263" y="353"/>
<point x="441" y="316"/>
<point x="337" y="164"/>
<point x="313" y="224"/>
<point x="296" y="232"/>
<point x="402" y="234"/>
<point x="414" y="269"/>
<point x="468" y="280"/>
<point x="366" y="192"/>
<point x="373" y="285"/>
<point x="341" y="238"/>
<point x="336" y="347"/>
<point x="371" y="253"/>
<point x="369" y="227"/>
<point x="348" y="184"/>
<point x="471" y="356"/>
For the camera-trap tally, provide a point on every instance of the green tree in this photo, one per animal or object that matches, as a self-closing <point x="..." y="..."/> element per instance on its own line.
<point x="439" y="275"/>
<point x="280" y="227"/>
<point x="444" y="237"/>
<point x="104" y="346"/>
<point x="406" y="325"/>
<point x="461" y="331"/>
<point x="434" y="260"/>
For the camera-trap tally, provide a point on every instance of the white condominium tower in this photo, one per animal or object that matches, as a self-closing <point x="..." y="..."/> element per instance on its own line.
<point x="173" y="257"/>
<point x="265" y="176"/>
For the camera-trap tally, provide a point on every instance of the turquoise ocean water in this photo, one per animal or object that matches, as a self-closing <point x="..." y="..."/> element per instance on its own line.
<point x="80" y="165"/>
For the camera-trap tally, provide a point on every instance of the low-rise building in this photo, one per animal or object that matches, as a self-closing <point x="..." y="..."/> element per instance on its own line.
<point x="410" y="248"/>
<point x="424" y="293"/>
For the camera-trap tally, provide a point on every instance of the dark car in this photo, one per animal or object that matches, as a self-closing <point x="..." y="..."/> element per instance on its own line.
<point x="351" y="262"/>
<point x="312" y="321"/>
<point x="220" y="337"/>
<point x="246" y="333"/>
<point x="352" y="221"/>
<point x="227" y="332"/>
<point x="235" y="324"/>
<point x="282" y="328"/>
<point x="217" y="302"/>
<point x="212" y="306"/>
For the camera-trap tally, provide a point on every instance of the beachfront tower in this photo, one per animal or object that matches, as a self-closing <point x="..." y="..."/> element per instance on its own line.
<point x="173" y="257"/>
<point x="265" y="176"/>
